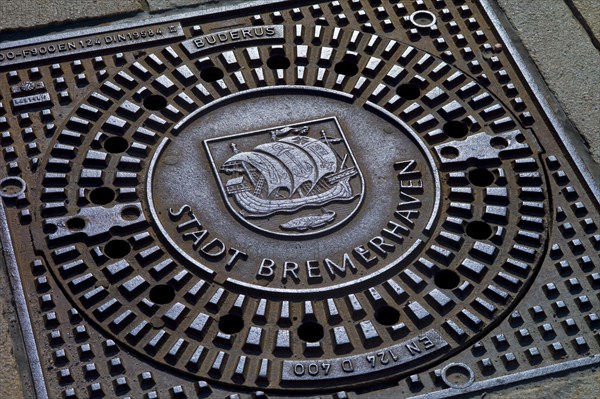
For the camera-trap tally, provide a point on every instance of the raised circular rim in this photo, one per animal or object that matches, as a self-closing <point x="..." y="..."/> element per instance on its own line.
<point x="415" y="15"/>
<point x="412" y="135"/>
<point x="22" y="183"/>
<point x="454" y="385"/>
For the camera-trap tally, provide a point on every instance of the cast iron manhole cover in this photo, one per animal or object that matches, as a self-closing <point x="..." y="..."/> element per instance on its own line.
<point x="347" y="199"/>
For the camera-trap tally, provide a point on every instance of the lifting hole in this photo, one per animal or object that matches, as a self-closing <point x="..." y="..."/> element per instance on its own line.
<point x="50" y="228"/>
<point x="449" y="152"/>
<point x="499" y="143"/>
<point x="130" y="213"/>
<point x="75" y="224"/>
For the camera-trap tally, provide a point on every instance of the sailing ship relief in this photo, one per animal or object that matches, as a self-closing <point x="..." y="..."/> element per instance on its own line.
<point x="296" y="179"/>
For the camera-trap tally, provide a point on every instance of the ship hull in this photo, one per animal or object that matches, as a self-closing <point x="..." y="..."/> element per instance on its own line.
<point x="254" y="206"/>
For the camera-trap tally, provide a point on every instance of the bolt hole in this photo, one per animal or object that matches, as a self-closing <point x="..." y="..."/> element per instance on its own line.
<point x="102" y="196"/>
<point x="311" y="332"/>
<point x="446" y="279"/>
<point x="116" y="145"/>
<point x="278" y="62"/>
<point x="479" y="230"/>
<point x="449" y="152"/>
<point x="117" y="249"/>
<point x="520" y="138"/>
<point x="211" y="74"/>
<point x="130" y="213"/>
<point x="75" y="224"/>
<point x="387" y="315"/>
<point x="408" y="91"/>
<point x="162" y="294"/>
<point x="347" y="68"/>
<point x="499" y="143"/>
<point x="231" y="323"/>
<point x="481" y="177"/>
<point x="456" y="129"/>
<point x="155" y="102"/>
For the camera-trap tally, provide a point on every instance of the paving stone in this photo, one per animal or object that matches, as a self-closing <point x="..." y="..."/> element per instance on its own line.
<point x="553" y="47"/>
<point x="20" y="15"/>
<point x="165" y="5"/>
<point x="591" y="13"/>
<point x="10" y="383"/>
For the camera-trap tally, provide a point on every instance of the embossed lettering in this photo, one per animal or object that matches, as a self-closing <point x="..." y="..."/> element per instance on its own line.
<point x="335" y="269"/>
<point x="267" y="268"/>
<point x="364" y="256"/>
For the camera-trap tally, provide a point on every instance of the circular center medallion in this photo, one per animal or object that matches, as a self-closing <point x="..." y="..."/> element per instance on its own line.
<point x="284" y="194"/>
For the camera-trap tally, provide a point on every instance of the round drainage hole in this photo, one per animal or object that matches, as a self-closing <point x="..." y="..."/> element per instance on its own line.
<point x="456" y="129"/>
<point x="116" y="145"/>
<point x="479" y="230"/>
<point x="408" y="91"/>
<point x="278" y="62"/>
<point x="481" y="177"/>
<point x="387" y="316"/>
<point x="117" y="249"/>
<point x="102" y="196"/>
<point x="155" y="102"/>
<point x="446" y="279"/>
<point x="310" y="332"/>
<point x="162" y="294"/>
<point x="75" y="224"/>
<point x="211" y="74"/>
<point x="231" y="323"/>
<point x="347" y="68"/>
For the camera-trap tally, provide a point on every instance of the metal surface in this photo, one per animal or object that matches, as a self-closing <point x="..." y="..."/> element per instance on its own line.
<point x="344" y="199"/>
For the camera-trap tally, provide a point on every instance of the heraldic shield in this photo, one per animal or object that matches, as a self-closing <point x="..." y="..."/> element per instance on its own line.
<point x="294" y="180"/>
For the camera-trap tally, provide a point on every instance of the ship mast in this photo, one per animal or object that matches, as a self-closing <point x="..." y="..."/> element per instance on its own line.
<point x="235" y="150"/>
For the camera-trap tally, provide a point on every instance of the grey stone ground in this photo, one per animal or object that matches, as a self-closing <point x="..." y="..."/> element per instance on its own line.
<point x="562" y="36"/>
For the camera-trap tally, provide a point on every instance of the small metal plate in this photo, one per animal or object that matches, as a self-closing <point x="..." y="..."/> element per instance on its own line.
<point x="345" y="199"/>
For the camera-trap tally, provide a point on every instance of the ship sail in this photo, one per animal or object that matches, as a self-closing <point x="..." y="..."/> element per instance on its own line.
<point x="321" y="154"/>
<point x="286" y="163"/>
<point x="274" y="172"/>
<point x="298" y="162"/>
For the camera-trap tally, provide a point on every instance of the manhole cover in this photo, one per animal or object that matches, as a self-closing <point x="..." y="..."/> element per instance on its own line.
<point x="348" y="198"/>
